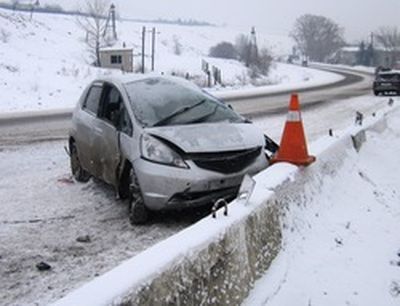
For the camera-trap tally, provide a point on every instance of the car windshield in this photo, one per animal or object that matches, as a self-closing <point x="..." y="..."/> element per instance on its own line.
<point x="161" y="101"/>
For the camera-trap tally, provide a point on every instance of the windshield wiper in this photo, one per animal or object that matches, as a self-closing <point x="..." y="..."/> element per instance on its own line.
<point x="202" y="118"/>
<point x="178" y="112"/>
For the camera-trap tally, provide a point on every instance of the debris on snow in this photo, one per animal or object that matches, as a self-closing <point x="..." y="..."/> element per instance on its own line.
<point x="84" y="239"/>
<point x="43" y="266"/>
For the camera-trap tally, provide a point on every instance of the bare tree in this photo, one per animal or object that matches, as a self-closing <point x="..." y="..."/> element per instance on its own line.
<point x="243" y="48"/>
<point x="177" y="46"/>
<point x="317" y="36"/>
<point x="94" y="23"/>
<point x="258" y="61"/>
<point x="389" y="38"/>
<point x="14" y="4"/>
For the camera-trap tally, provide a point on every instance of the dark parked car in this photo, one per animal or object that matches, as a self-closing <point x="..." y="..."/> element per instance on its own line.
<point x="387" y="82"/>
<point x="162" y="142"/>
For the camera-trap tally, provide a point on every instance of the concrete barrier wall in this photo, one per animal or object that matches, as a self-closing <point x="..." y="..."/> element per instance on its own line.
<point x="216" y="262"/>
<point x="221" y="273"/>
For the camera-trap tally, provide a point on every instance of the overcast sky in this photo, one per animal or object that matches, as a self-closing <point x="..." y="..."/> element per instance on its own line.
<point x="358" y="17"/>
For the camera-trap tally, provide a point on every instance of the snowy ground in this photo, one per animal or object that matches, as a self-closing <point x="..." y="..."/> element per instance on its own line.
<point x="44" y="62"/>
<point x="344" y="247"/>
<point x="42" y="213"/>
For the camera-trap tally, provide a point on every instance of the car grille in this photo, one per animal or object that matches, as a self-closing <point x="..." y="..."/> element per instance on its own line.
<point x="225" y="162"/>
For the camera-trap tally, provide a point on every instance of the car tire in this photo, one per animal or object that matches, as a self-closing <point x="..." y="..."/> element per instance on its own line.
<point x="376" y="93"/>
<point x="138" y="212"/>
<point x="80" y="174"/>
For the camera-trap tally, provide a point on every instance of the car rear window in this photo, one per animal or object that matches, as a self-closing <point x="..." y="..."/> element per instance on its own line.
<point x="389" y="77"/>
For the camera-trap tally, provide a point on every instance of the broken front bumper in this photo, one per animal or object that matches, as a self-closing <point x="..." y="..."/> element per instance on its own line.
<point x="167" y="187"/>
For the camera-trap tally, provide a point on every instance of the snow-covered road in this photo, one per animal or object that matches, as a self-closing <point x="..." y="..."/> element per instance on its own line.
<point x="42" y="212"/>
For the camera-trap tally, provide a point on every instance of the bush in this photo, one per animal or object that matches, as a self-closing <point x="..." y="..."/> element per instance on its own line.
<point x="223" y="50"/>
<point x="264" y="61"/>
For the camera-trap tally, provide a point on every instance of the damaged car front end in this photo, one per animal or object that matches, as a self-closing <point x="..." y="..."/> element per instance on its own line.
<point x="163" y="143"/>
<point x="200" y="167"/>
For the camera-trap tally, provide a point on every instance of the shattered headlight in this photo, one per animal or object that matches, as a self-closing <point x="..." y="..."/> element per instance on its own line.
<point x="154" y="150"/>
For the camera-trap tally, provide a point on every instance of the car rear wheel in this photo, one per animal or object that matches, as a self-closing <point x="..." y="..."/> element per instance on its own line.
<point x="138" y="212"/>
<point x="80" y="174"/>
<point x="376" y="92"/>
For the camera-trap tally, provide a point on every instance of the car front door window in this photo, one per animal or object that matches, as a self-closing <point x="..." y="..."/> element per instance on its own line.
<point x="92" y="101"/>
<point x="111" y="105"/>
<point x="114" y="111"/>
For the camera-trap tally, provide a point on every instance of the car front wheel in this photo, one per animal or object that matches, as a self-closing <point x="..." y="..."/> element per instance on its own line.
<point x="80" y="174"/>
<point x="138" y="212"/>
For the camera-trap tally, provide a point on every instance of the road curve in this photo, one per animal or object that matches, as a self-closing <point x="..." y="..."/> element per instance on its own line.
<point x="353" y="84"/>
<point x="52" y="125"/>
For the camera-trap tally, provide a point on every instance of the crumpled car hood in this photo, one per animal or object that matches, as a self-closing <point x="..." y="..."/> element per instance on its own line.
<point x="211" y="137"/>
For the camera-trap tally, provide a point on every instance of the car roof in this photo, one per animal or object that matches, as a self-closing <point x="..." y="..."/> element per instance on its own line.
<point x="134" y="77"/>
<point x="122" y="79"/>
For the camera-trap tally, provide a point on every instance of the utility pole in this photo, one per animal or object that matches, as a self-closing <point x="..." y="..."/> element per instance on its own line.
<point x="253" y="46"/>
<point x="143" y="47"/>
<point x="153" y="47"/>
<point x="372" y="38"/>
<point x="372" y="54"/>
<point x="111" y="17"/>
<point x="154" y="32"/>
<point x="114" y="27"/>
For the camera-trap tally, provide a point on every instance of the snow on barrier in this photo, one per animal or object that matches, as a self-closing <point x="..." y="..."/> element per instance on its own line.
<point x="217" y="261"/>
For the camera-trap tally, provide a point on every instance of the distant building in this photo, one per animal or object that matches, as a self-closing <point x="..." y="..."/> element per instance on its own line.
<point x="349" y="55"/>
<point x="345" y="56"/>
<point x="117" y="59"/>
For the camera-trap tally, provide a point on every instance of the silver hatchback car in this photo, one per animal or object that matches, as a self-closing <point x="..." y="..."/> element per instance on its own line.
<point x="162" y="142"/>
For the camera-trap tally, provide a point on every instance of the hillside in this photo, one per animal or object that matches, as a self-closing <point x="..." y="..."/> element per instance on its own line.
<point x="45" y="64"/>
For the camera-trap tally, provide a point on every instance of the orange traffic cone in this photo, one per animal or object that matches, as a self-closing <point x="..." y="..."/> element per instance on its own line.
<point x="293" y="148"/>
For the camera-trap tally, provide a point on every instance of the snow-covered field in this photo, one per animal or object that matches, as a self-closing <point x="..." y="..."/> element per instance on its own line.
<point x="42" y="212"/>
<point x="44" y="62"/>
<point x="343" y="248"/>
